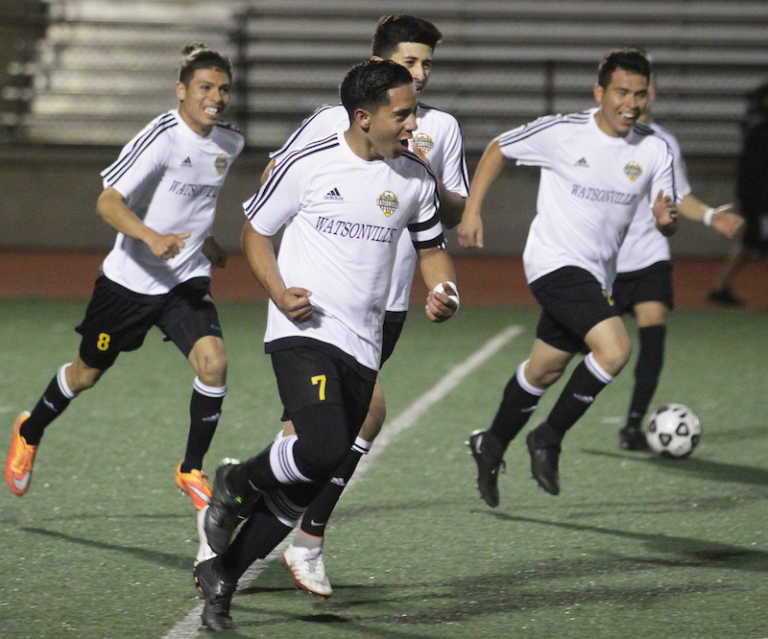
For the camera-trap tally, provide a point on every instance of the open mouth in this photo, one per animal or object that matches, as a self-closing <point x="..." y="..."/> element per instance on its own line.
<point x="404" y="143"/>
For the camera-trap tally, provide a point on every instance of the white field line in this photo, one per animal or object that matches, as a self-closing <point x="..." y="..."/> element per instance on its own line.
<point x="188" y="628"/>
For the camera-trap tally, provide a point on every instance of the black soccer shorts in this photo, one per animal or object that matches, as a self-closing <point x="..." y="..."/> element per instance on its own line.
<point x="118" y="319"/>
<point x="311" y="374"/>
<point x="650" y="284"/>
<point x="572" y="303"/>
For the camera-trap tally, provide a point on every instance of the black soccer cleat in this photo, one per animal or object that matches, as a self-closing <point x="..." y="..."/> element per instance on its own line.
<point x="487" y="452"/>
<point x="217" y="595"/>
<point x="225" y="511"/>
<point x="632" y="438"/>
<point x="544" y="463"/>
<point x="725" y="297"/>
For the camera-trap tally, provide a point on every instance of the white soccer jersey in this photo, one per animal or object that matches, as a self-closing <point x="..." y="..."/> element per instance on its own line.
<point x="590" y="186"/>
<point x="643" y="244"/>
<point x="343" y="217"/>
<point x="438" y="136"/>
<point x="170" y="178"/>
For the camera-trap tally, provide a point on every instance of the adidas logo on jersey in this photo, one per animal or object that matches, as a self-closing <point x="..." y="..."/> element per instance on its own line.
<point x="582" y="162"/>
<point x="333" y="194"/>
<point x="187" y="162"/>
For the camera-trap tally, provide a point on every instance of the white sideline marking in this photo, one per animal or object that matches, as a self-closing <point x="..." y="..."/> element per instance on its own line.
<point x="189" y="627"/>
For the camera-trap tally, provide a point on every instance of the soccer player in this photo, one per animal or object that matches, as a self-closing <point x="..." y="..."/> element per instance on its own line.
<point x="643" y="283"/>
<point x="411" y="42"/>
<point x="344" y="201"/>
<point x="596" y="168"/>
<point x="160" y="196"/>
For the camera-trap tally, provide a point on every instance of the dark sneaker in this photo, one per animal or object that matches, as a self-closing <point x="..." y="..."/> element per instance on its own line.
<point x="544" y="463"/>
<point x="224" y="513"/>
<point x="217" y="595"/>
<point x="724" y="296"/>
<point x="632" y="438"/>
<point x="487" y="453"/>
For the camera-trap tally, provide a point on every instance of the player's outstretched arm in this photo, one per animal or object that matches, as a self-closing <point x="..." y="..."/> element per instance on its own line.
<point x="439" y="276"/>
<point x="488" y="169"/>
<point x="260" y="253"/>
<point x="723" y="219"/>
<point x="114" y="211"/>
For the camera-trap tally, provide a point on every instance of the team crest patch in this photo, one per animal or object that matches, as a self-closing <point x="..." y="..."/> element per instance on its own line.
<point x="388" y="203"/>
<point x="423" y="142"/>
<point x="220" y="163"/>
<point x="633" y="170"/>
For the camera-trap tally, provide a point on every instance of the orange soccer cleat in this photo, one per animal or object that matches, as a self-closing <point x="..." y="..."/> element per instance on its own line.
<point x="195" y="484"/>
<point x="21" y="457"/>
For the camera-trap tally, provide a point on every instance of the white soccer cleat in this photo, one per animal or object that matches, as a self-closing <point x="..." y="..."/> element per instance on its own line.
<point x="308" y="570"/>
<point x="204" y="551"/>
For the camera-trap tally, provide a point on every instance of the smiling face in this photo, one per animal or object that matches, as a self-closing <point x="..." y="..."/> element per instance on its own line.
<point x="417" y="58"/>
<point x="621" y="102"/>
<point x="204" y="99"/>
<point x="391" y="125"/>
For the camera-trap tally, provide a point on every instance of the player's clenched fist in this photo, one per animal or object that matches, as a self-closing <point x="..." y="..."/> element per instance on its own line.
<point x="294" y="303"/>
<point x="167" y="246"/>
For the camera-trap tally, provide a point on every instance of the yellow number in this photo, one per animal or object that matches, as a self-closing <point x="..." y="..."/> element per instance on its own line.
<point x="103" y="343"/>
<point x="319" y="379"/>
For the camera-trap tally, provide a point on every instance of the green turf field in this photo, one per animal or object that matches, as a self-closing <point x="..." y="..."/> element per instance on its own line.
<point x="635" y="545"/>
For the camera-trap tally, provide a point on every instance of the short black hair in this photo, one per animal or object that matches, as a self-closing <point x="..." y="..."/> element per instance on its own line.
<point x="630" y="59"/>
<point x="199" y="56"/>
<point x="366" y="84"/>
<point x="393" y="29"/>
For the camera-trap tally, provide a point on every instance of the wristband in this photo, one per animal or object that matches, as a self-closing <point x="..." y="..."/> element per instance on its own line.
<point x="440" y="288"/>
<point x="707" y="219"/>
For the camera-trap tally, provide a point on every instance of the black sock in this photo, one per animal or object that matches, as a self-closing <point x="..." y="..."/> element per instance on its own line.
<point x="319" y="511"/>
<point x="258" y="536"/>
<point x="51" y="404"/>
<point x="204" y="415"/>
<point x="517" y="406"/>
<point x="578" y="395"/>
<point x="647" y="371"/>
<point x="253" y="475"/>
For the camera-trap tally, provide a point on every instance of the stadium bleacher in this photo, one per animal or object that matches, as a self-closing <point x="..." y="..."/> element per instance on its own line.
<point x="102" y="69"/>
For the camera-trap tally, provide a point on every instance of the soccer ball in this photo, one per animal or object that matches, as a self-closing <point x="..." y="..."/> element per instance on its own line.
<point x="673" y="430"/>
